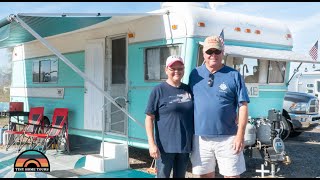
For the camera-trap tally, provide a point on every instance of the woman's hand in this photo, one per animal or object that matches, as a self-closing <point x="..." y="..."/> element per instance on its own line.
<point x="154" y="151"/>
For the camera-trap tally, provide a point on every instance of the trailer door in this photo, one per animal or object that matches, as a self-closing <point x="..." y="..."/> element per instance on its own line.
<point x="93" y="99"/>
<point x="116" y="76"/>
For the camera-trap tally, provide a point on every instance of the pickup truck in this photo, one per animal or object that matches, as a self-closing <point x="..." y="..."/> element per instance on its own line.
<point x="301" y="111"/>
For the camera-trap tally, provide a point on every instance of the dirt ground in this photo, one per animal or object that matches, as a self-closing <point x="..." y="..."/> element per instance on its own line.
<point x="303" y="151"/>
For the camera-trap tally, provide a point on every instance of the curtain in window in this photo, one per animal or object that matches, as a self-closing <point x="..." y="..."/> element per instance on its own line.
<point x="277" y="72"/>
<point x="156" y="61"/>
<point x="153" y="64"/>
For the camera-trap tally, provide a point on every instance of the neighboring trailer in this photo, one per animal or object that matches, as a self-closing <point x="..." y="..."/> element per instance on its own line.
<point x="306" y="82"/>
<point x="123" y="56"/>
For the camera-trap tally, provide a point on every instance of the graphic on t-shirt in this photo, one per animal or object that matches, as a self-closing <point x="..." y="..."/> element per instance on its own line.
<point x="223" y="87"/>
<point x="180" y="98"/>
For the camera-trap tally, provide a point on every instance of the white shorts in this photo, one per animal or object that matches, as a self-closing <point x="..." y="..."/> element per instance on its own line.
<point x="206" y="151"/>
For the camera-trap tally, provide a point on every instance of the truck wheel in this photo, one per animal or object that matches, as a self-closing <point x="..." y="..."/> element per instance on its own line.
<point x="294" y="134"/>
<point x="285" y="129"/>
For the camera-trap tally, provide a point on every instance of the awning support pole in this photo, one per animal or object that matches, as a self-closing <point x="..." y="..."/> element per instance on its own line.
<point x="294" y="72"/>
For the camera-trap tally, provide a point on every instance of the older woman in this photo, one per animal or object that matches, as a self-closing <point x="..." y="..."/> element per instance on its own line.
<point x="170" y="109"/>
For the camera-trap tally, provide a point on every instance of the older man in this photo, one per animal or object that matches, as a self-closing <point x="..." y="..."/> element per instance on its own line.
<point x="220" y="114"/>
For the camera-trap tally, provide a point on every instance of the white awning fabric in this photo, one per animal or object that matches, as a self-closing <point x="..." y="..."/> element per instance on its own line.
<point x="268" y="54"/>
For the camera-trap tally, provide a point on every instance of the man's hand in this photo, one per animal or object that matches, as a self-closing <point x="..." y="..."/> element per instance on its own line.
<point x="238" y="144"/>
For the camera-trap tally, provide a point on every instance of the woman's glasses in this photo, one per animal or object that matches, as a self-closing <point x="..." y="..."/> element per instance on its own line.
<point x="211" y="51"/>
<point x="175" y="69"/>
<point x="211" y="79"/>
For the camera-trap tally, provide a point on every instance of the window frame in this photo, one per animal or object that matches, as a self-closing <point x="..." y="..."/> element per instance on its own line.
<point x="51" y="59"/>
<point x="269" y="62"/>
<point x="145" y="64"/>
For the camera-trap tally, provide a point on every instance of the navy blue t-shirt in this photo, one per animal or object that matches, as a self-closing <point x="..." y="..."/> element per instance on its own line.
<point x="215" y="108"/>
<point x="173" y="110"/>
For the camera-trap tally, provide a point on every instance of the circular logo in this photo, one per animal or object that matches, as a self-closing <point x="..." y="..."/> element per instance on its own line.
<point x="31" y="161"/>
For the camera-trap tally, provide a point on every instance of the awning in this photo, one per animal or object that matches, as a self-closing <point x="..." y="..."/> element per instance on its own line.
<point x="13" y="34"/>
<point x="268" y="54"/>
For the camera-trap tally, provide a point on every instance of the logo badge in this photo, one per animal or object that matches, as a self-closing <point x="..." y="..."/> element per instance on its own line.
<point x="223" y="87"/>
<point x="31" y="161"/>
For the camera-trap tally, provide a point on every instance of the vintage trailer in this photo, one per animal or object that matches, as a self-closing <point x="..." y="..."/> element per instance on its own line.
<point x="103" y="66"/>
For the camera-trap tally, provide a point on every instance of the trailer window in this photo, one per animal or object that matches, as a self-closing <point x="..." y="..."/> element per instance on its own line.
<point x="309" y="85"/>
<point x="119" y="61"/>
<point x="200" y="56"/>
<point x="276" y="72"/>
<point x="155" y="60"/>
<point x="309" y="88"/>
<point x="45" y="70"/>
<point x="258" y="71"/>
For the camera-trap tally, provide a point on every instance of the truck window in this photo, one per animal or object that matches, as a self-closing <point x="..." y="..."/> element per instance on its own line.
<point x="45" y="70"/>
<point x="318" y="86"/>
<point x="155" y="61"/>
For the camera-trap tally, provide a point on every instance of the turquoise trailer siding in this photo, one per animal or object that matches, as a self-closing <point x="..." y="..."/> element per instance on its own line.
<point x="18" y="78"/>
<point x="259" y="106"/>
<point x="72" y="83"/>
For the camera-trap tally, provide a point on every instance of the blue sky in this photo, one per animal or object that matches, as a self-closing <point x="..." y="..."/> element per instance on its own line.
<point x="301" y="17"/>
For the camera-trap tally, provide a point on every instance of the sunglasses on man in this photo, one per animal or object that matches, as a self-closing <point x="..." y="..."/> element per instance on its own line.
<point x="215" y="51"/>
<point x="211" y="79"/>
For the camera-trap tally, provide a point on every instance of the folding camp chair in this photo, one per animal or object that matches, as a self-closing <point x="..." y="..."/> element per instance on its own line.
<point x="34" y="121"/>
<point x="57" y="132"/>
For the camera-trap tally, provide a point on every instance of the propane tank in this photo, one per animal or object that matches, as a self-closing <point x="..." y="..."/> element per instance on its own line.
<point x="5" y="138"/>
<point x="264" y="132"/>
<point x="250" y="133"/>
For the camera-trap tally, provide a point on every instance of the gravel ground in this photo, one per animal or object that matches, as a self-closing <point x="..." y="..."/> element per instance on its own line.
<point x="304" y="152"/>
